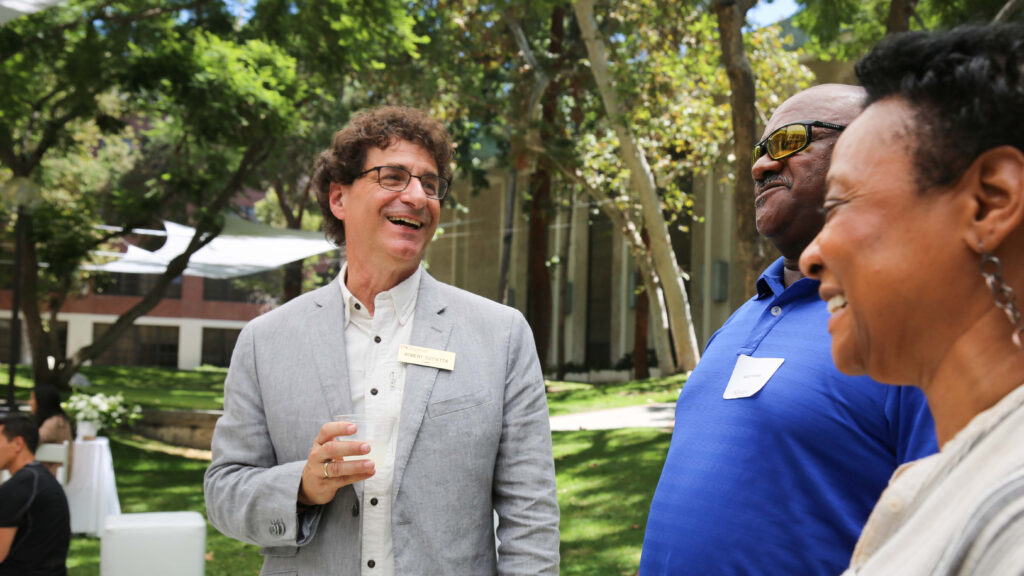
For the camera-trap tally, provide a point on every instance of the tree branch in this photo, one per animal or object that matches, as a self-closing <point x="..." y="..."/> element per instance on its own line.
<point x="1007" y="10"/>
<point x="541" y="78"/>
<point x="206" y="230"/>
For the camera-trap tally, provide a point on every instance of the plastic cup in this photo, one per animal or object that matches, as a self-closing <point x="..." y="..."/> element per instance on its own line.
<point x="376" y="431"/>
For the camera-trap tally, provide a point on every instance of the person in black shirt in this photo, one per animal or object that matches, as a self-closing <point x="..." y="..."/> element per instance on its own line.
<point x="35" y="524"/>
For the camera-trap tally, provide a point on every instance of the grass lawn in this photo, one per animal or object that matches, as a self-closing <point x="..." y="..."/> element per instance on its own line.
<point x="163" y="388"/>
<point x="573" y="397"/>
<point x="605" y="483"/>
<point x="605" y="478"/>
<point x="152" y="481"/>
<point x="150" y="387"/>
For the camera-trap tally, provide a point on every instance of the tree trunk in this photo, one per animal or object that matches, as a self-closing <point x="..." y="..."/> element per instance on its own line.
<point x="752" y="256"/>
<point x="656" y="304"/>
<point x="668" y="273"/>
<point x="641" y="255"/>
<point x="563" y="283"/>
<point x="40" y="339"/>
<point x="640" y="369"/>
<point x="506" y="235"/>
<point x="292" y="280"/>
<point x="15" y="329"/>
<point x="899" y="16"/>
<point x="1007" y="10"/>
<point x="538" y="309"/>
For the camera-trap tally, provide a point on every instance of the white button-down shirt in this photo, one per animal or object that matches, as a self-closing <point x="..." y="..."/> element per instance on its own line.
<point x="377" y="381"/>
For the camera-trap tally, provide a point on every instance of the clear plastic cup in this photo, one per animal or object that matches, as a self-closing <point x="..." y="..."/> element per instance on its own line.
<point x="376" y="431"/>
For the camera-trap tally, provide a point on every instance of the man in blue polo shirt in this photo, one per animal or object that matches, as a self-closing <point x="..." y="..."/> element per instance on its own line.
<point x="777" y="458"/>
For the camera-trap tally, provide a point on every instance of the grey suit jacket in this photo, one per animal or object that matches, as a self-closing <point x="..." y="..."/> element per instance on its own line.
<point x="470" y="440"/>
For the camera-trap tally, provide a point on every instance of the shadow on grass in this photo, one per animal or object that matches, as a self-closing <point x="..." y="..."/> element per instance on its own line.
<point x="606" y="480"/>
<point x="150" y="481"/>
<point x="161" y="388"/>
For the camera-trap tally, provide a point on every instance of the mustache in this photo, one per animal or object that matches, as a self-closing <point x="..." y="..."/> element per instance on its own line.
<point x="771" y="180"/>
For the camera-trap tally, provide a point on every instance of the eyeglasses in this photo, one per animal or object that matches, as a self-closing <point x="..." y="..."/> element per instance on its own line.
<point x="789" y="139"/>
<point x="396" y="179"/>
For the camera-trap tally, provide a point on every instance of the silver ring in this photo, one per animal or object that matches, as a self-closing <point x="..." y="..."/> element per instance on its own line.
<point x="326" y="473"/>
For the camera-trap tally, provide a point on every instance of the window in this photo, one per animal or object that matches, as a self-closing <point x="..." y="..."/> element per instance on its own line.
<point x="5" y="341"/>
<point x="218" y="343"/>
<point x="140" y="346"/>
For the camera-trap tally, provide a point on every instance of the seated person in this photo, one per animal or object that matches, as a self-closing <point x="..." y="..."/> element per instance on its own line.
<point x="54" y="424"/>
<point x="35" y="523"/>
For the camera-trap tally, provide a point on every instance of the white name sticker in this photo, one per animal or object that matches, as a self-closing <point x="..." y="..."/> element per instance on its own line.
<point x="426" y="357"/>
<point x="750" y="375"/>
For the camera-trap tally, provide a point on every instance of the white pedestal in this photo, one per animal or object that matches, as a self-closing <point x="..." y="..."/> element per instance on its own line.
<point x="92" y="490"/>
<point x="154" y="544"/>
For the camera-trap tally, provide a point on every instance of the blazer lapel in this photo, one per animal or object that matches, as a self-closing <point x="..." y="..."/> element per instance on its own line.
<point x="431" y="329"/>
<point x="327" y="330"/>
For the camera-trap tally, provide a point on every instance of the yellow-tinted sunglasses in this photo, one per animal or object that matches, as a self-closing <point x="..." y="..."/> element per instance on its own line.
<point x="789" y="139"/>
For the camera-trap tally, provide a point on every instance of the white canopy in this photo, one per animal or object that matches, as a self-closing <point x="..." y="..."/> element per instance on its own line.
<point x="11" y="9"/>
<point x="242" y="248"/>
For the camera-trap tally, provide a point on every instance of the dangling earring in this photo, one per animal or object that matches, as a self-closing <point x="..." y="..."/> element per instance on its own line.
<point x="1004" y="296"/>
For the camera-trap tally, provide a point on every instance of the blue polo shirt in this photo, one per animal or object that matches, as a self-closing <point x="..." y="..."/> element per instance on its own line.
<point x="780" y="482"/>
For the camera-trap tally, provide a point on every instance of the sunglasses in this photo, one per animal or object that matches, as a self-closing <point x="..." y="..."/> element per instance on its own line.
<point x="789" y="139"/>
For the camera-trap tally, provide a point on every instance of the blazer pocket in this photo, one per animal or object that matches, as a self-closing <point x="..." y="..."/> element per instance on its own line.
<point x="464" y="402"/>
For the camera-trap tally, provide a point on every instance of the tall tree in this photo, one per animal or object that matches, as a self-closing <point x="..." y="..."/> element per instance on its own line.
<point x="669" y="275"/>
<point x="487" y="69"/>
<point x="203" y="95"/>
<point x="751" y="255"/>
<point x="846" y="30"/>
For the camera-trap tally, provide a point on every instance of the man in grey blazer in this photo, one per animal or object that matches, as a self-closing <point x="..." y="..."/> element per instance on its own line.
<point x="472" y="436"/>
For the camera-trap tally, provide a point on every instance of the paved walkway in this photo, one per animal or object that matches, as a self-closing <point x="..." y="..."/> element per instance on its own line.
<point x="653" y="415"/>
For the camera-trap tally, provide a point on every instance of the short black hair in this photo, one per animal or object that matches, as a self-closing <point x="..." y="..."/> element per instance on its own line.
<point x="966" y="87"/>
<point x="15" y="425"/>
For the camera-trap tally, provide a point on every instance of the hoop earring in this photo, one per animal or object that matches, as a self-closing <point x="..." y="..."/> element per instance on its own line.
<point x="1004" y="296"/>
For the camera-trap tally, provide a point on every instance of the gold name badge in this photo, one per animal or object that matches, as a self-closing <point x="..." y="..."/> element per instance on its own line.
<point x="426" y="357"/>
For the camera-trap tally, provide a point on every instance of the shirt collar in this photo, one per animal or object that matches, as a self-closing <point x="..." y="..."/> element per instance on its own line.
<point x="403" y="297"/>
<point x="770" y="283"/>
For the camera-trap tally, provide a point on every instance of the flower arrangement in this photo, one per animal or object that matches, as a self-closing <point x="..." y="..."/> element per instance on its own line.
<point x="108" y="411"/>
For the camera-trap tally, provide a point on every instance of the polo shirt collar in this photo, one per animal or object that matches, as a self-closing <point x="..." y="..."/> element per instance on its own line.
<point x="770" y="283"/>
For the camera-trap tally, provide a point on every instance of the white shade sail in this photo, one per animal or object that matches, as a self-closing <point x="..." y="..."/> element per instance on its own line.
<point x="242" y="248"/>
<point x="11" y="9"/>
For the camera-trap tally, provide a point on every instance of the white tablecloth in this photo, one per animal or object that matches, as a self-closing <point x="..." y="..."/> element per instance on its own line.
<point x="92" y="492"/>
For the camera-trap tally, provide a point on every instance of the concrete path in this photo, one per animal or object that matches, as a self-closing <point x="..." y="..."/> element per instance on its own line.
<point x="652" y="415"/>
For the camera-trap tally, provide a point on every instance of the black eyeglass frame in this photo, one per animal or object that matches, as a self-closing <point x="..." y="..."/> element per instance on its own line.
<point x="442" y="183"/>
<point x="762" y="148"/>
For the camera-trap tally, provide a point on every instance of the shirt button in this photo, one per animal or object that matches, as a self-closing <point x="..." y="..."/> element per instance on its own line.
<point x="358" y="306"/>
<point x="373" y="501"/>
<point x="776" y="310"/>
<point x="376" y="339"/>
<point x="371" y="563"/>
<point x="373" y="391"/>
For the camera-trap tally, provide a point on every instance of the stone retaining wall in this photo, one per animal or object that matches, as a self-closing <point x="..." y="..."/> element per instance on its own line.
<point x="189" y="428"/>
